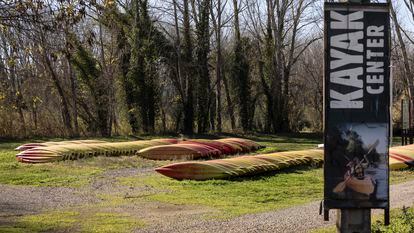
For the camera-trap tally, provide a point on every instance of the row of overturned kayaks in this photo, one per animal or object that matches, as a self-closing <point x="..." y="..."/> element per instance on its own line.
<point x="399" y="158"/>
<point x="84" y="149"/>
<point x="213" y="152"/>
<point x="156" y="149"/>
<point x="198" y="149"/>
<point x="240" y="166"/>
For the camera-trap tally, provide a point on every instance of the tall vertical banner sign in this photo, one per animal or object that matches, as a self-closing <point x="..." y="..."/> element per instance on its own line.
<point x="357" y="105"/>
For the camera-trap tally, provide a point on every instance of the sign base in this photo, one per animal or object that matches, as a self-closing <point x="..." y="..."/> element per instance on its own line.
<point x="353" y="220"/>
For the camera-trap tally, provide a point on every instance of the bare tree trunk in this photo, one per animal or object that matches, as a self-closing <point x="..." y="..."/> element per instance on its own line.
<point x="65" y="107"/>
<point x="73" y="85"/>
<point x="178" y="52"/>
<point x="203" y="77"/>
<point x="407" y="68"/>
<point x="277" y="22"/>
<point x="273" y="89"/>
<point x="230" y="106"/>
<point x="217" y="28"/>
<point x="189" y="83"/>
<point x="106" y="125"/>
<point x="15" y="87"/>
<point x="219" y="81"/>
<point x="240" y="73"/>
<point x="212" y="106"/>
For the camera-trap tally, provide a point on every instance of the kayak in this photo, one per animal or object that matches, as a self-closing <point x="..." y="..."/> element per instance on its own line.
<point x="179" y="152"/>
<point x="399" y="158"/>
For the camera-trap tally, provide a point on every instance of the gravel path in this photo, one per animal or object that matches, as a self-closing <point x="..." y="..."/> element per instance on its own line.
<point x="161" y="217"/>
<point x="18" y="200"/>
<point x="295" y="219"/>
<point x="22" y="200"/>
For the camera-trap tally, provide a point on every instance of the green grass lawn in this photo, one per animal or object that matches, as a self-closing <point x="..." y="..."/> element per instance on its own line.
<point x="237" y="196"/>
<point x="226" y="198"/>
<point x="245" y="195"/>
<point x="277" y="143"/>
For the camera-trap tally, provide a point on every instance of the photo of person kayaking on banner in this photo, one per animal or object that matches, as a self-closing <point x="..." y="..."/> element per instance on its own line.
<point x="355" y="177"/>
<point x="358" y="161"/>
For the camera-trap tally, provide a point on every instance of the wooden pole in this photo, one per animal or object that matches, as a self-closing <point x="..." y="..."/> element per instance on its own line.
<point x="410" y="118"/>
<point x="403" y="130"/>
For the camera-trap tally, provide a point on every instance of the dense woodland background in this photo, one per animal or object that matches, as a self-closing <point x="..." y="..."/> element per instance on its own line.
<point x="118" y="67"/>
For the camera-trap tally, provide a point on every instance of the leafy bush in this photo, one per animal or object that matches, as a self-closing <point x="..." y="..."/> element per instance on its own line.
<point x="402" y="221"/>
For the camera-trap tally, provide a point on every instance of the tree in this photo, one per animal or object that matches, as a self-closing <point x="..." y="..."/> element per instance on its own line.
<point x="188" y="82"/>
<point x="408" y="76"/>
<point x="218" y="27"/>
<point x="140" y="50"/>
<point x="203" y="74"/>
<point x="240" y="73"/>
<point x="285" y="21"/>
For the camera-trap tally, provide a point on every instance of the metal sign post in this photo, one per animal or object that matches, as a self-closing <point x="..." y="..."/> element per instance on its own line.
<point x="357" y="112"/>
<point x="405" y="121"/>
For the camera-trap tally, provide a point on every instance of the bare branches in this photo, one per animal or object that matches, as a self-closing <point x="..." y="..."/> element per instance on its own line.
<point x="210" y="61"/>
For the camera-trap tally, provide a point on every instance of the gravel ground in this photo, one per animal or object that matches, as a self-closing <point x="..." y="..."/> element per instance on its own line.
<point x="295" y="219"/>
<point x="161" y="217"/>
<point x="21" y="200"/>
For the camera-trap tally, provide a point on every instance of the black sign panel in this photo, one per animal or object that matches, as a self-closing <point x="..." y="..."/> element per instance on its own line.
<point x="357" y="105"/>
